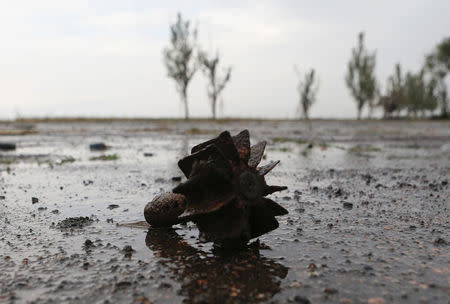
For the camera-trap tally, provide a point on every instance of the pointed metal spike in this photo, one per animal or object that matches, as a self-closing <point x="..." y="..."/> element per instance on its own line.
<point x="209" y="142"/>
<point x="205" y="207"/>
<point x="261" y="222"/>
<point x="267" y="168"/>
<point x="256" y="153"/>
<point x="187" y="164"/>
<point x="242" y="143"/>
<point x="271" y="189"/>
<point x="272" y="208"/>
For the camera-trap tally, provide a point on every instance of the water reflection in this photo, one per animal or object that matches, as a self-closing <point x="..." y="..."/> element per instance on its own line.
<point x="245" y="277"/>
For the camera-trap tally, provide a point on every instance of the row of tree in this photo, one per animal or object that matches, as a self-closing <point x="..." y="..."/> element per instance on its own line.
<point x="412" y="94"/>
<point x="184" y="57"/>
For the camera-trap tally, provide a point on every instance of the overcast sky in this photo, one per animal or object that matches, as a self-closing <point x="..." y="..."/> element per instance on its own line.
<point x="104" y="58"/>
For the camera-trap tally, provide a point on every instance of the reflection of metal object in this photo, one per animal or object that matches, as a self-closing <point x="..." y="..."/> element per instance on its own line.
<point x="224" y="192"/>
<point x="214" y="278"/>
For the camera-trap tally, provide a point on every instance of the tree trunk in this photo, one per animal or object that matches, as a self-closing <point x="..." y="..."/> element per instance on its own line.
<point x="213" y="106"/>
<point x="369" y="115"/>
<point x="185" y="102"/>
<point x="360" y="106"/>
<point x="444" y="106"/>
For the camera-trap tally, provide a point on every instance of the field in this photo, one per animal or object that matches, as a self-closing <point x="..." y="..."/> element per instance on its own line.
<point x="368" y="218"/>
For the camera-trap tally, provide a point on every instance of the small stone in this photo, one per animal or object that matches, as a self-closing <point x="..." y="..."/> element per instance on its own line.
<point x="113" y="206"/>
<point x="301" y="300"/>
<point x="148" y="154"/>
<point x="347" y="205"/>
<point x="98" y="147"/>
<point x="74" y="222"/>
<point x="312" y="267"/>
<point x="128" y="249"/>
<point x="87" y="182"/>
<point x="330" y="291"/>
<point x="377" y="300"/>
<point x="440" y="242"/>
<point x="176" y="179"/>
<point x="2" y="197"/>
<point x="88" y="243"/>
<point x="34" y="200"/>
<point x="7" y="146"/>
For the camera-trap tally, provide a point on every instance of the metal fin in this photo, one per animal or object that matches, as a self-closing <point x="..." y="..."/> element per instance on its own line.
<point x="271" y="189"/>
<point x="267" y="168"/>
<point x="224" y="143"/>
<point x="256" y="154"/>
<point x="242" y="144"/>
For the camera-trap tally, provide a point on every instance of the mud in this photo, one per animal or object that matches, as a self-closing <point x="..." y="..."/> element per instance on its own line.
<point x="368" y="216"/>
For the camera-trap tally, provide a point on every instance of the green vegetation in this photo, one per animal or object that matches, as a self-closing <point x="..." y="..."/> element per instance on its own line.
<point x="360" y="149"/>
<point x="5" y="161"/>
<point x="197" y="131"/>
<point x="106" y="157"/>
<point x="285" y="149"/>
<point x="300" y="141"/>
<point x="419" y="93"/>
<point x="66" y="160"/>
<point x="287" y="139"/>
<point x="438" y="66"/>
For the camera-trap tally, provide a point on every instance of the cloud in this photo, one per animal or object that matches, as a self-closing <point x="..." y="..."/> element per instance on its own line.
<point x="104" y="57"/>
<point x="126" y="20"/>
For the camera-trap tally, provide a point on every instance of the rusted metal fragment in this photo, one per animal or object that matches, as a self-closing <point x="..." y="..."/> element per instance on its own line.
<point x="229" y="223"/>
<point x="190" y="164"/>
<point x="206" y="206"/>
<point x="273" y="208"/>
<point x="261" y="221"/>
<point x="271" y="189"/>
<point x="224" y="192"/>
<point x="208" y="189"/>
<point x="224" y="143"/>
<point x="267" y="168"/>
<point x="256" y="154"/>
<point x="242" y="143"/>
<point x="165" y="209"/>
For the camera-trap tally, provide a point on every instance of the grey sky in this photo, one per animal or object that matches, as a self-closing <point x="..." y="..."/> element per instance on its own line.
<point x="104" y="58"/>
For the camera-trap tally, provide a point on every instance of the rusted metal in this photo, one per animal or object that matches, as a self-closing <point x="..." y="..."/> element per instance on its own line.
<point x="224" y="192"/>
<point x="164" y="210"/>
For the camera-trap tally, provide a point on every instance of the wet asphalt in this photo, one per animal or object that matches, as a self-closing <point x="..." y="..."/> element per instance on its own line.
<point x="368" y="216"/>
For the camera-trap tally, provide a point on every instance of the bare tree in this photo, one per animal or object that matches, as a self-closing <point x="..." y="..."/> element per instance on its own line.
<point x="179" y="57"/>
<point x="307" y="89"/>
<point x="360" y="78"/>
<point x="217" y="81"/>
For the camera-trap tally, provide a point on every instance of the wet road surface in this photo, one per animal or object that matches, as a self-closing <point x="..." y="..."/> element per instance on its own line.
<point x="368" y="216"/>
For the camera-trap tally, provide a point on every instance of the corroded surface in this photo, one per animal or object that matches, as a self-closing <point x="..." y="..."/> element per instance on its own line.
<point x="224" y="195"/>
<point x="164" y="210"/>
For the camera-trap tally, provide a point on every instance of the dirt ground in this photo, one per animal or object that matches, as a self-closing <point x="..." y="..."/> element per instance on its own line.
<point x="368" y="220"/>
